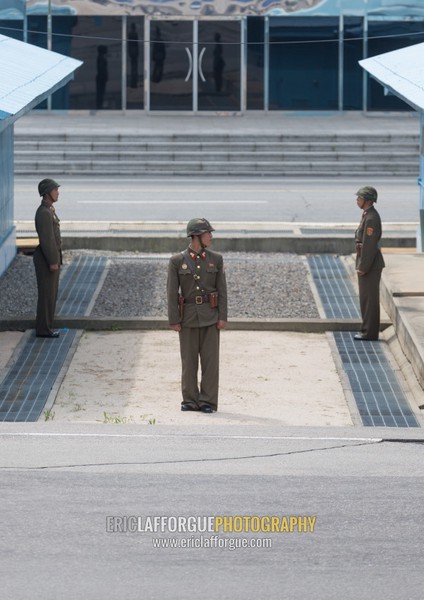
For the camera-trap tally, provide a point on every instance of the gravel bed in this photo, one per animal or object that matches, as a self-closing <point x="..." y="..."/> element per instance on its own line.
<point x="18" y="289"/>
<point x="259" y="286"/>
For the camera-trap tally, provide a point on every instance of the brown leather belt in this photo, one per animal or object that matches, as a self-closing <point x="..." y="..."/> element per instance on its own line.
<point x="197" y="299"/>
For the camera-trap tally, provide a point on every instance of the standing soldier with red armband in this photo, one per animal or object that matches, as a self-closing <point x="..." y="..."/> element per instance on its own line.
<point x="369" y="263"/>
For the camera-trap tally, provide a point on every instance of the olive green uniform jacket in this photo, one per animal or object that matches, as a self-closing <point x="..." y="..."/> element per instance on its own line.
<point x="180" y="280"/>
<point x="367" y="239"/>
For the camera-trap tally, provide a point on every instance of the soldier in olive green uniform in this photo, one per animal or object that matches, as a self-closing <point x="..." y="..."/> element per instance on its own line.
<point x="197" y="310"/>
<point x="369" y="263"/>
<point x="47" y="258"/>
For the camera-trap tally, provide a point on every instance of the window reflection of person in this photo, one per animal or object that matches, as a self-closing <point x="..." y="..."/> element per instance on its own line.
<point x="101" y="75"/>
<point x="133" y="51"/>
<point x="218" y="63"/>
<point x="158" y="56"/>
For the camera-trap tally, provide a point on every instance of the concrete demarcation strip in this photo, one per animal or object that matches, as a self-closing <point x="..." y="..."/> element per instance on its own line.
<point x="146" y="323"/>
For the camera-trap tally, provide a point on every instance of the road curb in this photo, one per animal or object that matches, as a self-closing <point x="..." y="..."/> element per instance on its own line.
<point x="146" y="323"/>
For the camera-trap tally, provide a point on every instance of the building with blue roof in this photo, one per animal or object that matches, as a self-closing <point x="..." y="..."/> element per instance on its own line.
<point x="28" y="75"/>
<point x="220" y="56"/>
<point x="401" y="73"/>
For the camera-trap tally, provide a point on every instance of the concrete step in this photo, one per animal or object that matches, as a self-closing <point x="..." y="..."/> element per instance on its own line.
<point x="221" y="167"/>
<point x="232" y="154"/>
<point x="115" y="149"/>
<point x="172" y="153"/>
<point x="168" y="160"/>
<point x="202" y="137"/>
<point x="252" y="145"/>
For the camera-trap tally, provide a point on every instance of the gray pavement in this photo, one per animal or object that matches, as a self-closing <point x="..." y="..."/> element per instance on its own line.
<point x="366" y="541"/>
<point x="256" y="200"/>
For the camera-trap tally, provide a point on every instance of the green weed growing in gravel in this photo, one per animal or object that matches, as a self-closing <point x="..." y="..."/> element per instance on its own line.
<point x="49" y="415"/>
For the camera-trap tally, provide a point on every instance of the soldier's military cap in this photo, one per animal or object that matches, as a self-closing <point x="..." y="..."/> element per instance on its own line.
<point x="367" y="193"/>
<point x="198" y="226"/>
<point x="46" y="186"/>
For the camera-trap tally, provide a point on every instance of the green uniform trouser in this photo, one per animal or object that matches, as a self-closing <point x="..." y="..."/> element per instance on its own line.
<point x="369" y="299"/>
<point x="48" y="284"/>
<point x="203" y="342"/>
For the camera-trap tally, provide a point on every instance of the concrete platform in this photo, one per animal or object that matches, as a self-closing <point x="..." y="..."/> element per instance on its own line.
<point x="403" y="299"/>
<point x="141" y="236"/>
<point x="138" y="122"/>
<point x="269" y="376"/>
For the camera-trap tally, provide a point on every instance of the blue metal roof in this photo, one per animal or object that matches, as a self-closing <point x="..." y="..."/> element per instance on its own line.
<point x="401" y="72"/>
<point x="28" y="75"/>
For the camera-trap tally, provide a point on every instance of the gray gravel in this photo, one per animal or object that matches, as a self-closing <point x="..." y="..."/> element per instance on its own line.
<point x="259" y="286"/>
<point x="18" y="289"/>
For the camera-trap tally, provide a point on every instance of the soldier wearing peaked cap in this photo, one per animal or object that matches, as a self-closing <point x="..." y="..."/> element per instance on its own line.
<point x="369" y="263"/>
<point x="197" y="310"/>
<point x="47" y="257"/>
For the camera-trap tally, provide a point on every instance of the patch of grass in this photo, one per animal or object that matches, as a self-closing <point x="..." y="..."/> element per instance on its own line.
<point x="118" y="420"/>
<point x="49" y="415"/>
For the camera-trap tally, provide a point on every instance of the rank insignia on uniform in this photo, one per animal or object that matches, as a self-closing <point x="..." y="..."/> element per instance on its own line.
<point x="370" y="230"/>
<point x="184" y="266"/>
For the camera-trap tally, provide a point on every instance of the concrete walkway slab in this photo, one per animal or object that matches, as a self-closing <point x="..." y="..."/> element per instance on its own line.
<point x="272" y="378"/>
<point x="139" y="123"/>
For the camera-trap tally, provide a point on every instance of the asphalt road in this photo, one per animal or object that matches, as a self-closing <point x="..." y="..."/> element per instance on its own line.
<point x="58" y="486"/>
<point x="225" y="199"/>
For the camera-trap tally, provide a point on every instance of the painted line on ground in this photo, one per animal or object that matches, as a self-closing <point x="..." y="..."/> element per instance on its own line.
<point x="173" y="202"/>
<point x="186" y="435"/>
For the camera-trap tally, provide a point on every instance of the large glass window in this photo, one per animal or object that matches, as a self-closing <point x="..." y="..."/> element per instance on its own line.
<point x="255" y="63"/>
<point x="303" y="63"/>
<point x="135" y="63"/>
<point x="97" y="42"/>
<point x="37" y="31"/>
<point x="352" y="72"/>
<point x="173" y="78"/>
<point x="13" y="29"/>
<point x="219" y="65"/>
<point x="37" y="35"/>
<point x="385" y="37"/>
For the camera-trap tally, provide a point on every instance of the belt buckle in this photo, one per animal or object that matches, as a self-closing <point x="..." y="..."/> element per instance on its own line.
<point x="199" y="300"/>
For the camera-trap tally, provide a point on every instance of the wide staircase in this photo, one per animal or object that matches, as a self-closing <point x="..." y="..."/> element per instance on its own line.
<point x="308" y="154"/>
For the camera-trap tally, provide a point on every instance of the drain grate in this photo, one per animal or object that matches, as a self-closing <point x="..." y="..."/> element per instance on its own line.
<point x="375" y="387"/>
<point x="78" y="285"/>
<point x="378" y="395"/>
<point x="334" y="286"/>
<point x="27" y="385"/>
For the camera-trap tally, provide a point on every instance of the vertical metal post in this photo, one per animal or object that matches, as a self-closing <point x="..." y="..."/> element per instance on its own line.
<point x="49" y="25"/>
<point x="364" y="72"/>
<point x="195" y="75"/>
<point x="124" y="46"/>
<point x="341" y="60"/>
<point x="49" y="43"/>
<point x="420" y="232"/>
<point x="25" y="32"/>
<point x="266" y="64"/>
<point x="243" y="64"/>
<point x="146" y="69"/>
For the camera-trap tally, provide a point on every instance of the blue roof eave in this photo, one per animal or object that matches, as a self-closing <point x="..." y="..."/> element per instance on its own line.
<point x="7" y="119"/>
<point x="400" y="72"/>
